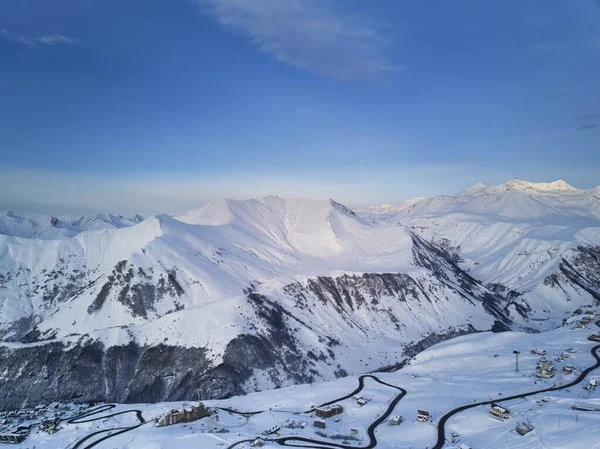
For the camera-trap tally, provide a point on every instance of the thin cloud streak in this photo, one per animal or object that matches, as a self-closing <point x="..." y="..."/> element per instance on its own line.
<point x="307" y="34"/>
<point x="50" y="40"/>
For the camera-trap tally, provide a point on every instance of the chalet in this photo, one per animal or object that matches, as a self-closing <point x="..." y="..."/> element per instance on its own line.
<point x="571" y="351"/>
<point x="423" y="416"/>
<point x="499" y="412"/>
<point x="395" y="420"/>
<point x="594" y="337"/>
<point x="259" y="442"/>
<point x="593" y="383"/>
<point x="538" y="351"/>
<point x="568" y="369"/>
<point x="187" y="414"/>
<point x="319" y="423"/>
<point x="465" y="446"/>
<point x="361" y="402"/>
<point x="353" y="431"/>
<point x="327" y="411"/>
<point x="524" y="428"/>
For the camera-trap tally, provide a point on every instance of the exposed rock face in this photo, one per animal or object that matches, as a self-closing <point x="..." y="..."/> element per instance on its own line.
<point x="89" y="371"/>
<point x="145" y="326"/>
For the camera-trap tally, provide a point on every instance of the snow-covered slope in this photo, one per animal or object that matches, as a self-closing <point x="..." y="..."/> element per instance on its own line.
<point x="540" y="240"/>
<point x="238" y="296"/>
<point x="47" y="227"/>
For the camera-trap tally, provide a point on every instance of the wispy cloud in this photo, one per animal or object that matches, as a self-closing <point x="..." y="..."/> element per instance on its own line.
<point x="54" y="39"/>
<point x="309" y="34"/>
<point x="588" y="121"/>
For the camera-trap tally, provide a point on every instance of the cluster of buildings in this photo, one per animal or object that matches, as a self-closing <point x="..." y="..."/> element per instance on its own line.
<point x="545" y="369"/>
<point x="15" y="425"/>
<point x="186" y="414"/>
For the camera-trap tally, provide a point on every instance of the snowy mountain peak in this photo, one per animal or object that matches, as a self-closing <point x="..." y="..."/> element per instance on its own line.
<point x="474" y="189"/>
<point x="556" y="186"/>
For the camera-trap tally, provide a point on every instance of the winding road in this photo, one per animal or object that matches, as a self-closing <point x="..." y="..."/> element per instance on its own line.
<point x="85" y="417"/>
<point x="303" y="442"/>
<point x="441" y="441"/>
<point x="319" y="444"/>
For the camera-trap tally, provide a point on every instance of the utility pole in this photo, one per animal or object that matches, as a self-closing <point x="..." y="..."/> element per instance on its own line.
<point x="516" y="353"/>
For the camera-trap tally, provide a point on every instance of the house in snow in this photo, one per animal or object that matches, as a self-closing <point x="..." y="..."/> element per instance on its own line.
<point x="327" y="411"/>
<point x="187" y="414"/>
<point x="259" y="442"/>
<point x="395" y="420"/>
<point x="524" y="428"/>
<point x="499" y="412"/>
<point x="423" y="416"/>
<point x="319" y="423"/>
<point x="568" y="369"/>
<point x="465" y="446"/>
<point x="594" y="337"/>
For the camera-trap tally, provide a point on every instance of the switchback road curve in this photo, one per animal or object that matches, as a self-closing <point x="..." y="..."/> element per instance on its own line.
<point x="87" y="417"/>
<point x="319" y="444"/>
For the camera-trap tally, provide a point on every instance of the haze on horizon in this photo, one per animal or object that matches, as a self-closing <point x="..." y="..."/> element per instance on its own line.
<point x="159" y="107"/>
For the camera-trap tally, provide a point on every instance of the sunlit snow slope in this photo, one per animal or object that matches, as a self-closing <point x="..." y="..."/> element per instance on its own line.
<point x="238" y="296"/>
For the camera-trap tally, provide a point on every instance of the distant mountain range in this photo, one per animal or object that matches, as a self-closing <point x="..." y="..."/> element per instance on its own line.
<point x="47" y="227"/>
<point x="240" y="296"/>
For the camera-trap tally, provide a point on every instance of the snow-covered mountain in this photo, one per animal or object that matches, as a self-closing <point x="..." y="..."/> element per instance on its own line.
<point x="47" y="227"/>
<point x="238" y="296"/>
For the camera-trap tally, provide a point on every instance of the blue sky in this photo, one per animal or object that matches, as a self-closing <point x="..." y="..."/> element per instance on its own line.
<point x="161" y="105"/>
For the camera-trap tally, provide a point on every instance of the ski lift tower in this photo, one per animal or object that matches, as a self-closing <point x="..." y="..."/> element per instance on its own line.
<point x="516" y="353"/>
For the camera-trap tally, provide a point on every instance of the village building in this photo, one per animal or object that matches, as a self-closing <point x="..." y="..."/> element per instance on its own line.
<point x="12" y="438"/>
<point x="594" y="337"/>
<point x="499" y="412"/>
<point x="524" y="428"/>
<point x="465" y="446"/>
<point x="538" y="351"/>
<point x="568" y="369"/>
<point x="423" y="416"/>
<point x="319" y="423"/>
<point x="585" y="408"/>
<point x="259" y="442"/>
<point x="328" y="411"/>
<point x="187" y="414"/>
<point x="545" y="370"/>
<point x="353" y="431"/>
<point x="593" y="383"/>
<point x="361" y="402"/>
<point x="49" y="425"/>
<point x="395" y="420"/>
